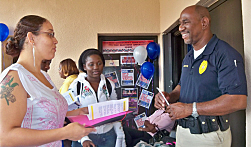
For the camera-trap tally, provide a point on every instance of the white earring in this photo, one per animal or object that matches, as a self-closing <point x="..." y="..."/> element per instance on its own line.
<point x="33" y="51"/>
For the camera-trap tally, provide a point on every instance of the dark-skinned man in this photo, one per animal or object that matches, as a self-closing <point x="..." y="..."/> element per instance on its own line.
<point x="212" y="85"/>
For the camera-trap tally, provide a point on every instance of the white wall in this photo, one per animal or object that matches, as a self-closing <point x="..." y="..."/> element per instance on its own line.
<point x="246" y="11"/>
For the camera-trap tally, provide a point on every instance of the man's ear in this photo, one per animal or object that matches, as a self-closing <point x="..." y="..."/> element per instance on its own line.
<point x="30" y="38"/>
<point x="205" y="22"/>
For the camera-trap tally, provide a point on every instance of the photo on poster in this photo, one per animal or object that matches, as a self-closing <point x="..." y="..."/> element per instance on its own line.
<point x="143" y="82"/>
<point x="145" y="98"/>
<point x="127" y="77"/>
<point x="127" y="60"/>
<point x="132" y="94"/>
<point x="140" y="120"/>
<point x="113" y="77"/>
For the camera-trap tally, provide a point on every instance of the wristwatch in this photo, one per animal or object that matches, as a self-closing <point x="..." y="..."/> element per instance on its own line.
<point x="195" y="113"/>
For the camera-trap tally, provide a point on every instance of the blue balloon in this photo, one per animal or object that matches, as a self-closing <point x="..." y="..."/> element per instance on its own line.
<point x="153" y="50"/>
<point x="147" y="70"/>
<point x="4" y="32"/>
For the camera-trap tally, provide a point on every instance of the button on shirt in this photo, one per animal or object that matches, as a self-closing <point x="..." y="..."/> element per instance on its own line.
<point x="217" y="71"/>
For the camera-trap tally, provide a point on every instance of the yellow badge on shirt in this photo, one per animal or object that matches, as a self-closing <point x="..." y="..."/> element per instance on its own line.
<point x="203" y="67"/>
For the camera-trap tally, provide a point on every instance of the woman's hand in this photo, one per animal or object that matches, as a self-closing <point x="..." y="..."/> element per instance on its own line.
<point x="80" y="111"/>
<point x="83" y="111"/>
<point x="76" y="131"/>
<point x="88" y="143"/>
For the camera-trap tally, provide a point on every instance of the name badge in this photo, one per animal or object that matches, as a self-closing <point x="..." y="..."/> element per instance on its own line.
<point x="203" y="67"/>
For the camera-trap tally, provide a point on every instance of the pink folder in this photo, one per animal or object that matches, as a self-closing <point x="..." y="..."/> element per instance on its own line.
<point x="83" y="119"/>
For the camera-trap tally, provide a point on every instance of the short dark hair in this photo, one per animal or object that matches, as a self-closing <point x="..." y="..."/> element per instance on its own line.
<point x="68" y="67"/>
<point x="88" y="53"/>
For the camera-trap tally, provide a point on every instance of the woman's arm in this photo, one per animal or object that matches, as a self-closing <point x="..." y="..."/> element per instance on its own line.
<point x="13" y="106"/>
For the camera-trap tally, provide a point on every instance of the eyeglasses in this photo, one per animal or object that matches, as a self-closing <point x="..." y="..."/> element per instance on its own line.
<point x="52" y="35"/>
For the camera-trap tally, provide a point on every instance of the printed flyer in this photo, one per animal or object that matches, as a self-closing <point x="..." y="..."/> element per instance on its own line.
<point x="145" y="98"/>
<point x="132" y="94"/>
<point x="140" y="120"/>
<point x="127" y="77"/>
<point x="143" y="82"/>
<point x="129" y="92"/>
<point x="107" y="108"/>
<point x="133" y="105"/>
<point x="113" y="77"/>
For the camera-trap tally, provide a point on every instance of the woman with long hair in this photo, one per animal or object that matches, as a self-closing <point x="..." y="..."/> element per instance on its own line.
<point x="31" y="108"/>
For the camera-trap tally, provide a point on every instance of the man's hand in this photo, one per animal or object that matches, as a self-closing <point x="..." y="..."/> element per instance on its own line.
<point x="88" y="143"/>
<point x="179" y="110"/>
<point x="160" y="103"/>
<point x="148" y="127"/>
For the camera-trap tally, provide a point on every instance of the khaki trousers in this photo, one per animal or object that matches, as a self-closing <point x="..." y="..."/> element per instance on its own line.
<point x="213" y="139"/>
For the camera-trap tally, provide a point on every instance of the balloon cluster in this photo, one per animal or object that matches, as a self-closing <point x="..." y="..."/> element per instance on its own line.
<point x="140" y="54"/>
<point x="4" y="32"/>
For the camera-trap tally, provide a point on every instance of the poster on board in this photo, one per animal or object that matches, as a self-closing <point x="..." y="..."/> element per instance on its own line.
<point x="127" y="77"/>
<point x="132" y="94"/>
<point x="140" y="120"/>
<point x="143" y="82"/>
<point x="145" y="98"/>
<point x="113" y="77"/>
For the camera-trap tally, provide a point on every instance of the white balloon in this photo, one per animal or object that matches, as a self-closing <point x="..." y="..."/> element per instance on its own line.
<point x="140" y="54"/>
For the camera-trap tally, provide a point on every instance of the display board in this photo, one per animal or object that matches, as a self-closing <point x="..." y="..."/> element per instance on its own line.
<point x="123" y="70"/>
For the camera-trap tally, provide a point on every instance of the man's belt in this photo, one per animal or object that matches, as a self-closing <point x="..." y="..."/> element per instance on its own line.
<point x="205" y="124"/>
